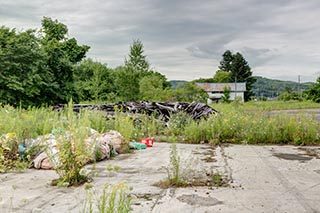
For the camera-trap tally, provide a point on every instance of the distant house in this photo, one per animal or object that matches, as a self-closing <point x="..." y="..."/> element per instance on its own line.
<point x="215" y="90"/>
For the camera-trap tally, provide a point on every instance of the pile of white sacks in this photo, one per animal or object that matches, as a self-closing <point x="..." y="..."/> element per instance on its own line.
<point x="101" y="146"/>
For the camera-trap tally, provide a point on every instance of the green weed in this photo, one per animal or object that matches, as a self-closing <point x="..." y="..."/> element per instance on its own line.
<point x="111" y="200"/>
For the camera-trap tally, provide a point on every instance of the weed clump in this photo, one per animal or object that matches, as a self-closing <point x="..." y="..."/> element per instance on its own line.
<point x="110" y="200"/>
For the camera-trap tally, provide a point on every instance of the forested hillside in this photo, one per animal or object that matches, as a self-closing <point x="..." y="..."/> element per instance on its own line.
<point x="272" y="88"/>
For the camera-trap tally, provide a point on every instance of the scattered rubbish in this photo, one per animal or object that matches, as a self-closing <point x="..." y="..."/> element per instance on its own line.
<point x="147" y="141"/>
<point x="136" y="145"/>
<point x="162" y="109"/>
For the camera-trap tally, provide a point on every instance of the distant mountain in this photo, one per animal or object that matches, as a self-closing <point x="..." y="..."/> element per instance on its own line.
<point x="265" y="86"/>
<point x="273" y="88"/>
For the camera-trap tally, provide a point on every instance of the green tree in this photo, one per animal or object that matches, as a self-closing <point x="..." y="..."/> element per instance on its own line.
<point x="203" y="80"/>
<point x="226" y="62"/>
<point x="137" y="60"/>
<point x="23" y="73"/>
<point x="226" y="95"/>
<point x="313" y="93"/>
<point x="152" y="87"/>
<point x="62" y="54"/>
<point x="126" y="81"/>
<point x="222" y="77"/>
<point x="239" y="69"/>
<point x="93" y="81"/>
<point x="188" y="92"/>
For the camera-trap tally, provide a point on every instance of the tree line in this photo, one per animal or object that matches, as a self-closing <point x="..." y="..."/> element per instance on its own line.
<point x="46" y="67"/>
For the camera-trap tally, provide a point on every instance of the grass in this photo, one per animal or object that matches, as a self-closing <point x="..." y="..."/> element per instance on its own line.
<point x="247" y="123"/>
<point x="267" y="105"/>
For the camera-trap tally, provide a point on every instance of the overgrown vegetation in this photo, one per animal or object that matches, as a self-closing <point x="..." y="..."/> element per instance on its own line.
<point x="73" y="151"/>
<point x="112" y="199"/>
<point x="313" y="93"/>
<point x="248" y="123"/>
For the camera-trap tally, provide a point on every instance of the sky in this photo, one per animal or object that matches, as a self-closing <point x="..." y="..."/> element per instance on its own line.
<point x="185" y="39"/>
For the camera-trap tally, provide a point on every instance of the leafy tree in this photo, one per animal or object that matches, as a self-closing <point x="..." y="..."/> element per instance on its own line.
<point x="62" y="54"/>
<point x="239" y="69"/>
<point x="126" y="81"/>
<point x="313" y="93"/>
<point x="203" y="80"/>
<point x="151" y="88"/>
<point x="292" y="95"/>
<point x="222" y="77"/>
<point x="137" y="61"/>
<point x="23" y="73"/>
<point x="226" y="95"/>
<point x="188" y="92"/>
<point x="93" y="81"/>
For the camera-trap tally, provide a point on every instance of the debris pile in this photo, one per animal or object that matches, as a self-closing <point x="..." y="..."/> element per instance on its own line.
<point x="101" y="146"/>
<point x="162" y="109"/>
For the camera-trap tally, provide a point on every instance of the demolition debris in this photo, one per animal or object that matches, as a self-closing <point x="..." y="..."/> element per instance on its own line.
<point x="163" y="110"/>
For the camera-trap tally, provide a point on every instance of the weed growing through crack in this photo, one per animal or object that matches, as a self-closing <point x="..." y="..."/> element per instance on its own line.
<point x="188" y="172"/>
<point x="111" y="200"/>
<point x="73" y="151"/>
<point x="174" y="168"/>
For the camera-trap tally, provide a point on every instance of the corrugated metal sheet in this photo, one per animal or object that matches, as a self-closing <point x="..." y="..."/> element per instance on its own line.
<point x="218" y="87"/>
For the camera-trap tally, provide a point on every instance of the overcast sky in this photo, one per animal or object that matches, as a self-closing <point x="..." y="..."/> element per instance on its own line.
<point x="184" y="39"/>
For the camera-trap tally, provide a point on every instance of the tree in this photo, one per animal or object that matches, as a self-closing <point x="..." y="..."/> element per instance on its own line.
<point x="93" y="81"/>
<point x="151" y="88"/>
<point x="313" y="93"/>
<point x="203" y="80"/>
<point x="226" y="62"/>
<point x="222" y="77"/>
<point x="137" y="60"/>
<point x="62" y="54"/>
<point x="126" y="81"/>
<point x="226" y="95"/>
<point x="188" y="92"/>
<point x="23" y="72"/>
<point x="239" y="70"/>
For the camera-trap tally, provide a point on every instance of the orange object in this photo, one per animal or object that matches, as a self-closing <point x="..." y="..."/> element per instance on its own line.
<point x="147" y="141"/>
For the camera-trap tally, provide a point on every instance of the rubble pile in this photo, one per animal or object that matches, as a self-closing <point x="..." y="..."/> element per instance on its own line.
<point x="162" y="109"/>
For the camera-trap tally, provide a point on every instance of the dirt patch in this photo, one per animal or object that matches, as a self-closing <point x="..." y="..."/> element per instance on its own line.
<point x="195" y="199"/>
<point x="287" y="156"/>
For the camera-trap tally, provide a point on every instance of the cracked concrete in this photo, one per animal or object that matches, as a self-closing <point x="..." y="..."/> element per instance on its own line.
<point x="262" y="179"/>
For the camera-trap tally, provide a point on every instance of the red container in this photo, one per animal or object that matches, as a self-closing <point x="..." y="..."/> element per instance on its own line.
<point x="147" y="141"/>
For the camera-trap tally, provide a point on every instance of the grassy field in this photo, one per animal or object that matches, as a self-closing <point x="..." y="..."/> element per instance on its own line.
<point x="267" y="105"/>
<point x="248" y="123"/>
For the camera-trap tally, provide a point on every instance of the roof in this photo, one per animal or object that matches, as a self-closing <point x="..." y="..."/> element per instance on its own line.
<point x="219" y="87"/>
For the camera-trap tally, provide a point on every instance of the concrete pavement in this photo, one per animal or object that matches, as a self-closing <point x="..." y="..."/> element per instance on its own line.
<point x="261" y="179"/>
